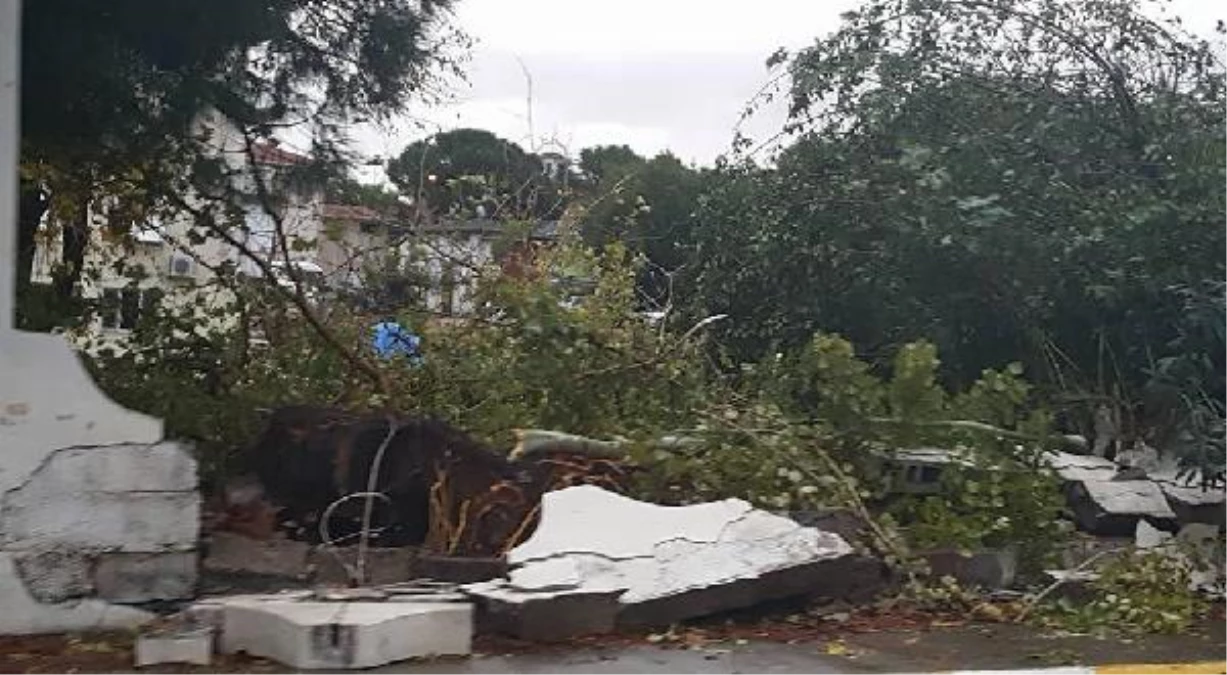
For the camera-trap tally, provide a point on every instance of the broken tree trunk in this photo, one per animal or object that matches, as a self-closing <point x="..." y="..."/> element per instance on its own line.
<point x="539" y="442"/>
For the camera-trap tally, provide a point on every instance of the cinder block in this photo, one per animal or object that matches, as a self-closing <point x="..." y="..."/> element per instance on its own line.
<point x="193" y="646"/>
<point x="330" y="635"/>
<point x="144" y="577"/>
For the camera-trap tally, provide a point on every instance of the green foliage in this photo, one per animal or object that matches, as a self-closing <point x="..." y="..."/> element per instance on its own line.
<point x="648" y="204"/>
<point x="1038" y="181"/>
<point x="533" y="359"/>
<point x="913" y="393"/>
<point x="1004" y="505"/>
<point x="346" y="190"/>
<point x="807" y="430"/>
<point x="464" y="171"/>
<point x="1144" y="592"/>
<point x="994" y="493"/>
<point x="826" y="379"/>
<point x="112" y="94"/>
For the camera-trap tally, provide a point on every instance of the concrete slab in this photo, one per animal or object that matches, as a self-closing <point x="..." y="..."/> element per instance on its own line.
<point x="1114" y="507"/>
<point x="1130" y="497"/>
<point x="333" y="635"/>
<point x="672" y="562"/>
<point x="1075" y="468"/>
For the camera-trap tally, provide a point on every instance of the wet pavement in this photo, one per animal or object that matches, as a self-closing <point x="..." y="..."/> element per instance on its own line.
<point x="993" y="646"/>
<point x="751" y="658"/>
<point x="933" y="648"/>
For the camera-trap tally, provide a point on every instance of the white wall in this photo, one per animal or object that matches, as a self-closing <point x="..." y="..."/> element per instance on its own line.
<point x="465" y="254"/>
<point x="301" y="220"/>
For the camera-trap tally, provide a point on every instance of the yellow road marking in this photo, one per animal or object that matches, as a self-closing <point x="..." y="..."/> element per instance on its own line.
<point x="1207" y="667"/>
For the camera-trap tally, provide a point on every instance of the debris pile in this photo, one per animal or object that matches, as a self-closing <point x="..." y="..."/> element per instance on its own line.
<point x="662" y="564"/>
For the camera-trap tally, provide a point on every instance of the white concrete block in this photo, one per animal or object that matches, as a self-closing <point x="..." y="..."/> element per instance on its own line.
<point x="1072" y="467"/>
<point x="329" y="635"/>
<point x="133" y="498"/>
<point x="130" y="522"/>
<point x="190" y="646"/>
<point x="160" y="467"/>
<point x="21" y="614"/>
<point x="1129" y="497"/>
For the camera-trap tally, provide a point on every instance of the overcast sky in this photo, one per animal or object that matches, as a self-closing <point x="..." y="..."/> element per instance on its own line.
<point x="653" y="74"/>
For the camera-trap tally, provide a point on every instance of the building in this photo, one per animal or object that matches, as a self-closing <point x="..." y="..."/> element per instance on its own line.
<point x="157" y="260"/>
<point x="381" y="261"/>
<point x="434" y="266"/>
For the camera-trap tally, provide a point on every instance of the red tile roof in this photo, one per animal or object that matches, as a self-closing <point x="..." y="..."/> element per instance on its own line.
<point x="268" y="153"/>
<point x="351" y="212"/>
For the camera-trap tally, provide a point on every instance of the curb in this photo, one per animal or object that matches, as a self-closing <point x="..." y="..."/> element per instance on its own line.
<point x="1197" y="668"/>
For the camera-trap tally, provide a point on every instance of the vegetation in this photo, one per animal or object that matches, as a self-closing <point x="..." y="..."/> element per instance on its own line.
<point x="983" y="222"/>
<point x="114" y="93"/>
<point x="1035" y="181"/>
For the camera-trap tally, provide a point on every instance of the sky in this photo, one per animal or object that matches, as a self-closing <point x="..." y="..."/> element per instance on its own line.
<point x="652" y="74"/>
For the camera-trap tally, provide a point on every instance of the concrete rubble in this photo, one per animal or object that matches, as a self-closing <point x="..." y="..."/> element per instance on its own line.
<point x="180" y="639"/>
<point x="1104" y="503"/>
<point x="1198" y="547"/>
<point x="342" y="629"/>
<point x="660" y="563"/>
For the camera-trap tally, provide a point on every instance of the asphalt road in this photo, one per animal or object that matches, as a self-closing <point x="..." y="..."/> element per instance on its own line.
<point x="897" y="650"/>
<point x="752" y="658"/>
<point x="988" y="647"/>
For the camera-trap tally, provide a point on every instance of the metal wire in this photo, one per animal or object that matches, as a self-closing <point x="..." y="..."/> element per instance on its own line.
<point x="357" y="574"/>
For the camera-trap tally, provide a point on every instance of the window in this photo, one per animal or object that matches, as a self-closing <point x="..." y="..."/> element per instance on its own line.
<point x="122" y="308"/>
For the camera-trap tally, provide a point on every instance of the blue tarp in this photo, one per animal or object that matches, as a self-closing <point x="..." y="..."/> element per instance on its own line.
<point x="393" y="339"/>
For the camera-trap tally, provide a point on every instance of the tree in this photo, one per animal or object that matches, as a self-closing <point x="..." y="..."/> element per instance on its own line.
<point x="346" y="190"/>
<point x="602" y="162"/>
<point x="1034" y="180"/>
<point x="647" y="204"/>
<point x="111" y="92"/>
<point x="471" y="170"/>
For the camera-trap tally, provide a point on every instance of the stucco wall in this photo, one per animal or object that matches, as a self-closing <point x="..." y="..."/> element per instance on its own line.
<point x="95" y="509"/>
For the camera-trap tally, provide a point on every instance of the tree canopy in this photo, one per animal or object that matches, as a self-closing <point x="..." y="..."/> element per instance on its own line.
<point x="1039" y="180"/>
<point x="110" y="92"/>
<point x="466" y="171"/>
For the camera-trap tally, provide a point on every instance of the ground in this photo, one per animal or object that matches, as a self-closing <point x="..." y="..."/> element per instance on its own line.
<point x="859" y="643"/>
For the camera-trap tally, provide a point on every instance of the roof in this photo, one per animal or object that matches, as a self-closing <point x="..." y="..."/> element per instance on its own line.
<point x="271" y="153"/>
<point x="354" y="212"/>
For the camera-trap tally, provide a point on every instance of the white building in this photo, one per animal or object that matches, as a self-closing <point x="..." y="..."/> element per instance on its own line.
<point x="157" y="259"/>
<point x="334" y="247"/>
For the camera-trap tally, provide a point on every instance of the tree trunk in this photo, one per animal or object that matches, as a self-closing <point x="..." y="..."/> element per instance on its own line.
<point x="76" y="237"/>
<point x="31" y="209"/>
